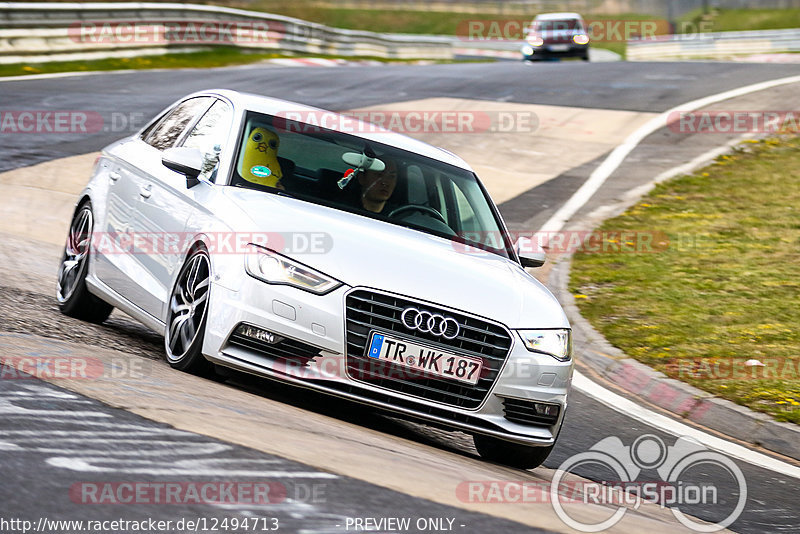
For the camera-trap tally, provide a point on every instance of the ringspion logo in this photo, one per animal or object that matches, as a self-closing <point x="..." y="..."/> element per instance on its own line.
<point x="680" y="480"/>
<point x="676" y="488"/>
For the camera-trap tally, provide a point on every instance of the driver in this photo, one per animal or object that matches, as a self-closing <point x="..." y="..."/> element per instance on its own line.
<point x="377" y="187"/>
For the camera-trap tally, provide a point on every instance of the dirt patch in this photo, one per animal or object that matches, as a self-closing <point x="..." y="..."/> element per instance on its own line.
<point x="27" y="312"/>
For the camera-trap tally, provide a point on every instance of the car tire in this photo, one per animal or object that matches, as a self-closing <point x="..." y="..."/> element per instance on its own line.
<point x="510" y="454"/>
<point x="72" y="294"/>
<point x="186" y="315"/>
<point x="585" y="57"/>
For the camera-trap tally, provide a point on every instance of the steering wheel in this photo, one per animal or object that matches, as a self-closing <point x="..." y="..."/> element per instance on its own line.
<point x="419" y="207"/>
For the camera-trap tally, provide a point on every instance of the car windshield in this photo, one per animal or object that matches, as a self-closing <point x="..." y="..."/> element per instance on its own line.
<point x="555" y="25"/>
<point x="342" y="171"/>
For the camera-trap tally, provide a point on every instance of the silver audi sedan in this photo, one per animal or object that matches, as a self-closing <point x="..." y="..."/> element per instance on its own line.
<point x="309" y="247"/>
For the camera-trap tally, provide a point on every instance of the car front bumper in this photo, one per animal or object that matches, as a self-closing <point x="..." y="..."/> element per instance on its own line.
<point x="551" y="51"/>
<point x="315" y="330"/>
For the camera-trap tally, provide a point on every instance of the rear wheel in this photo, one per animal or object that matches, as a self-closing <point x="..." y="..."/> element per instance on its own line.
<point x="511" y="454"/>
<point x="73" y="297"/>
<point x="186" y="319"/>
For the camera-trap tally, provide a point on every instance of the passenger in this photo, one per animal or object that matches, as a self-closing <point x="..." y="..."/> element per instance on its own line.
<point x="377" y="187"/>
<point x="260" y="161"/>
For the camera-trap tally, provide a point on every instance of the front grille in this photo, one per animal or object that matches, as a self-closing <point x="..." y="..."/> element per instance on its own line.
<point x="288" y="350"/>
<point x="529" y="412"/>
<point x="367" y="311"/>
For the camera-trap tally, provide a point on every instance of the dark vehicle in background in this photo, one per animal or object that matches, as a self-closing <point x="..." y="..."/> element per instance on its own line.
<point x="553" y="35"/>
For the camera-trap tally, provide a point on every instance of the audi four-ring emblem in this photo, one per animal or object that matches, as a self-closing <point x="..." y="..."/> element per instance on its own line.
<point x="427" y="322"/>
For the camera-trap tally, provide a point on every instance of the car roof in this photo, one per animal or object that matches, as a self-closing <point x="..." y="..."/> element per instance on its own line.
<point x="557" y="16"/>
<point x="360" y="129"/>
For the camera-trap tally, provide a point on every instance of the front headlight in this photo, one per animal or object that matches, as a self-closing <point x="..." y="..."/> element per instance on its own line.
<point x="273" y="268"/>
<point x="581" y="39"/>
<point x="556" y="343"/>
<point x="535" y="41"/>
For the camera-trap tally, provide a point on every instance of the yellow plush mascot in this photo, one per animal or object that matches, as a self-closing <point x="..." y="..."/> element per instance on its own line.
<point x="260" y="162"/>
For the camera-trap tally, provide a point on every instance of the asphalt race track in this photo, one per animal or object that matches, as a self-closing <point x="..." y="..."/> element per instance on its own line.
<point x="650" y="87"/>
<point x="42" y="451"/>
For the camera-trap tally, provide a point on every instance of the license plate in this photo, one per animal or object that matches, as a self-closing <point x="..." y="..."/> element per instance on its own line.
<point x="558" y="48"/>
<point x="423" y="359"/>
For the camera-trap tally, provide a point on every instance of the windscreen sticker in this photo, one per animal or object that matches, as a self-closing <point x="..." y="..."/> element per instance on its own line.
<point x="260" y="171"/>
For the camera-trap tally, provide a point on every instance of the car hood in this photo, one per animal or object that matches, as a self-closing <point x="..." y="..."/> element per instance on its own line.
<point x="361" y="251"/>
<point x="556" y="36"/>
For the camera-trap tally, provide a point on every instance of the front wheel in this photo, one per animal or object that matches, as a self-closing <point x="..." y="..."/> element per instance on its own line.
<point x="510" y="454"/>
<point x="73" y="297"/>
<point x="186" y="319"/>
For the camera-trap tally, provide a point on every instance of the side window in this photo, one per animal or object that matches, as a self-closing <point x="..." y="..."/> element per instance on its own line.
<point x="209" y="136"/>
<point x="152" y="127"/>
<point x="170" y="129"/>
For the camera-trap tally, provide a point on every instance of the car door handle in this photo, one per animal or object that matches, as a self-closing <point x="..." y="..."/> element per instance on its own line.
<point x="146" y="191"/>
<point x="114" y="176"/>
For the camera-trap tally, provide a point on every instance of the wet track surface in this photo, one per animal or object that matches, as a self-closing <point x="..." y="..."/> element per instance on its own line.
<point x="30" y="439"/>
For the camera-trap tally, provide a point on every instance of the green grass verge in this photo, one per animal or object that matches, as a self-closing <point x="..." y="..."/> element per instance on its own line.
<point x="389" y="21"/>
<point x="723" y="291"/>
<point x="218" y="57"/>
<point x="725" y="20"/>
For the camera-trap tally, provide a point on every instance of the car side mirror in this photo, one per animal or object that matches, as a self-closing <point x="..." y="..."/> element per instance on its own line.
<point x="185" y="160"/>
<point x="529" y="252"/>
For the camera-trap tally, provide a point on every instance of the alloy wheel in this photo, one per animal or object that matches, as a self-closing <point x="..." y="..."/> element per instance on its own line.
<point x="188" y="306"/>
<point x="75" y="253"/>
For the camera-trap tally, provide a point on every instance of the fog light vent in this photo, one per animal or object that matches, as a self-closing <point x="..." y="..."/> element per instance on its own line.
<point x="258" y="334"/>
<point x="270" y="345"/>
<point x="528" y="412"/>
